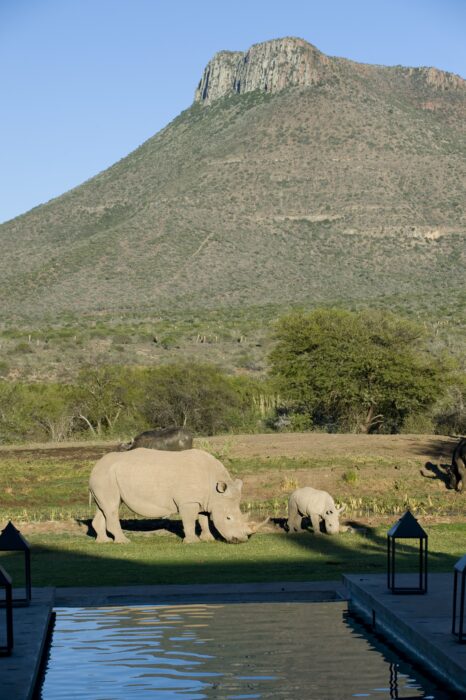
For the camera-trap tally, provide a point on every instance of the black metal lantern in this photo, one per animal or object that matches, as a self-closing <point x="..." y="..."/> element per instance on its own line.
<point x="11" y="540"/>
<point x="7" y="603"/>
<point x="407" y="528"/>
<point x="459" y="568"/>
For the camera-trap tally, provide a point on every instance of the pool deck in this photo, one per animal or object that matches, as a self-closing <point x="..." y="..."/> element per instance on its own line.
<point x="18" y="672"/>
<point x="418" y="625"/>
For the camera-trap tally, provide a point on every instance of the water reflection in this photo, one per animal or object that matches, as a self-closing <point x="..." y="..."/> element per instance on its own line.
<point x="256" y="650"/>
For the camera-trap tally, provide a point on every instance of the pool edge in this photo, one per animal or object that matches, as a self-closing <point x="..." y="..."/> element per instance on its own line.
<point x="418" y="625"/>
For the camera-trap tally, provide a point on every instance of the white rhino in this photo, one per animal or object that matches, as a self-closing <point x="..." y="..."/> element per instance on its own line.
<point x="158" y="483"/>
<point x="315" y="504"/>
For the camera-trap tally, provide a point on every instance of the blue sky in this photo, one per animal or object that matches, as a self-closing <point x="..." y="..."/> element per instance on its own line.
<point x="84" y="82"/>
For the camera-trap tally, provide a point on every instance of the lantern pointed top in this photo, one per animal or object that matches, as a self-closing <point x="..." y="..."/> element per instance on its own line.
<point x="11" y="540"/>
<point x="407" y="526"/>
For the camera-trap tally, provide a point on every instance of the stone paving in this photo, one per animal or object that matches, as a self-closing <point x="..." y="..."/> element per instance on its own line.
<point x="18" y="672"/>
<point x="419" y="625"/>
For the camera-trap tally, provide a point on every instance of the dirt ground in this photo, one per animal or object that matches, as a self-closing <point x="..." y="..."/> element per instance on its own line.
<point x="427" y="447"/>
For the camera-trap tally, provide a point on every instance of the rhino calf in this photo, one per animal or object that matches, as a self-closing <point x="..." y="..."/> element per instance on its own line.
<point x="316" y="505"/>
<point x="158" y="483"/>
<point x="172" y="439"/>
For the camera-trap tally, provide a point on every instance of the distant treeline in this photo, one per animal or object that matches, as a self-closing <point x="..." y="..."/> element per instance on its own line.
<point x="330" y="370"/>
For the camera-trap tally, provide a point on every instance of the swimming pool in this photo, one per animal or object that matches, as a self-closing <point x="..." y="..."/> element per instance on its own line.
<point x="237" y="651"/>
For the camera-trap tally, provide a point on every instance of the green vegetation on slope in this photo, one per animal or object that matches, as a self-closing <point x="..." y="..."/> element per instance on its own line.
<point x="329" y="370"/>
<point x="351" y="190"/>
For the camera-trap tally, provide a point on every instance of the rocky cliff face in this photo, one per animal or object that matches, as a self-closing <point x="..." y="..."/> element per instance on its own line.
<point x="270" y="67"/>
<point x="291" y="62"/>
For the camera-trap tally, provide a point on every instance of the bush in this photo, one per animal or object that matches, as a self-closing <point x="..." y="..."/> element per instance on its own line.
<point x="38" y="412"/>
<point x="418" y="423"/>
<point x="197" y="395"/>
<point x="350" y="476"/>
<point x="450" y="414"/>
<point x="122" y="401"/>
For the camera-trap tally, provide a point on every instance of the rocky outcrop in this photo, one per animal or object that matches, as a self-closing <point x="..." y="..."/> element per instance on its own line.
<point x="291" y="62"/>
<point x="438" y="79"/>
<point x="270" y="67"/>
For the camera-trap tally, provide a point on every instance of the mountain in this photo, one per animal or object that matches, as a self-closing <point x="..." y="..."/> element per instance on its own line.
<point x="294" y="177"/>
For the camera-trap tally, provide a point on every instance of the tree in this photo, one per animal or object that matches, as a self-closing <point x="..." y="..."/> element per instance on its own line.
<point x="450" y="414"/>
<point x="355" y="370"/>
<point x="197" y="395"/>
<point x="50" y="408"/>
<point x="104" y="396"/>
<point x="35" y="411"/>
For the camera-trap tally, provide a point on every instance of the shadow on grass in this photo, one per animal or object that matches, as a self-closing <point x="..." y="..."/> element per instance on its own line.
<point x="442" y="472"/>
<point x="157" y="525"/>
<point x="440" y="448"/>
<point x="77" y="560"/>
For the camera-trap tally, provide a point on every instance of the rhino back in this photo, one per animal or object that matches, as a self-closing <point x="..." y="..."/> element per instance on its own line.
<point x="167" y="439"/>
<point x="167" y="477"/>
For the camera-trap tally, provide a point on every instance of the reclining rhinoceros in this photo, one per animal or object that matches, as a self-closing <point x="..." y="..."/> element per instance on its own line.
<point x="316" y="505"/>
<point x="172" y="438"/>
<point x="157" y="483"/>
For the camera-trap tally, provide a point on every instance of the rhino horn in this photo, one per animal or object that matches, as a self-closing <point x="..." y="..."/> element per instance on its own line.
<point x="255" y="528"/>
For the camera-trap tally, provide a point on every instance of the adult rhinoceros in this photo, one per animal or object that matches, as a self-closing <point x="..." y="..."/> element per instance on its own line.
<point x="458" y="466"/>
<point x="157" y="483"/>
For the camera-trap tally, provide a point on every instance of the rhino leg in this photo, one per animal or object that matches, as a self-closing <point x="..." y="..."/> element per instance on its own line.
<point x="294" y="517"/>
<point x="315" y="522"/>
<point x="189" y="513"/>
<point x="99" y="526"/>
<point x="461" y="472"/>
<point x="206" y="535"/>
<point x="114" y="527"/>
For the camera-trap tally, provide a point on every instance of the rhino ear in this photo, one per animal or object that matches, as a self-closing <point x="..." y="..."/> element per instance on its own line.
<point x="340" y="510"/>
<point x="221" y="486"/>
<point x="239" y="484"/>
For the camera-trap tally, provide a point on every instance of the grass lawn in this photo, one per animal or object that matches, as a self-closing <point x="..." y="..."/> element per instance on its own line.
<point x="45" y="494"/>
<point x="76" y="560"/>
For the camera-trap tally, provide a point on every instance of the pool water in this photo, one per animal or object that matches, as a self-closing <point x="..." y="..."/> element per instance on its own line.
<point x="314" y="651"/>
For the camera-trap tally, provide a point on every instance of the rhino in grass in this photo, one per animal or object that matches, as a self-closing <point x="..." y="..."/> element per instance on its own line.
<point x="316" y="505"/>
<point x="172" y="439"/>
<point x="457" y="471"/>
<point x="158" y="483"/>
